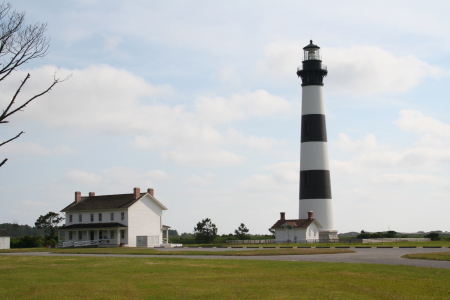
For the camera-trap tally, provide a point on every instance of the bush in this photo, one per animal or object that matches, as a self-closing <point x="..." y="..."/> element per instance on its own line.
<point x="27" y="241"/>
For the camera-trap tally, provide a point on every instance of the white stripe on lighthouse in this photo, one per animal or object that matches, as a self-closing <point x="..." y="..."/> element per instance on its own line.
<point x="316" y="156"/>
<point x="312" y="100"/>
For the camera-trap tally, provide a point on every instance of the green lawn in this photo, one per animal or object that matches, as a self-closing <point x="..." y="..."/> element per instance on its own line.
<point x="27" y="277"/>
<point x="151" y="251"/>
<point x="432" y="256"/>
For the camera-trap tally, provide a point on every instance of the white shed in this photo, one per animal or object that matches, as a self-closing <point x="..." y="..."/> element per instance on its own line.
<point x="5" y="239"/>
<point x="296" y="230"/>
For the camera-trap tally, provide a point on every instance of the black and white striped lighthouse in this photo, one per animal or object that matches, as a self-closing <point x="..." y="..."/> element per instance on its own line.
<point x="315" y="185"/>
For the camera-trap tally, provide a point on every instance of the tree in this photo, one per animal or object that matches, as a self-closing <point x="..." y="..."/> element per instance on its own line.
<point x="20" y="43"/>
<point x="434" y="236"/>
<point x="205" y="231"/>
<point x="241" y="232"/>
<point x="49" y="222"/>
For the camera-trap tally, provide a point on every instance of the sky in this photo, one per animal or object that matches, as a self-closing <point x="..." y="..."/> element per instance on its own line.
<point x="200" y="101"/>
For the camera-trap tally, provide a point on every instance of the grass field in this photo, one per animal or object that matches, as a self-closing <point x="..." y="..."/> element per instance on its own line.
<point x="26" y="277"/>
<point x="431" y="256"/>
<point x="151" y="251"/>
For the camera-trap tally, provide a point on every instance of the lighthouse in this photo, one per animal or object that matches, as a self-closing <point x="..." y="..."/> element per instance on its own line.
<point x="315" y="181"/>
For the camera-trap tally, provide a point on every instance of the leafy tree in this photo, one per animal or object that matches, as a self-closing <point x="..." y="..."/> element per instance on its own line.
<point x="49" y="222"/>
<point x="19" y="43"/>
<point x="205" y="231"/>
<point x="173" y="233"/>
<point x="241" y="232"/>
<point x="434" y="236"/>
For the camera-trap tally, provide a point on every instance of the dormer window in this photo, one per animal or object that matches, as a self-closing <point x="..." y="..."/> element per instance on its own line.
<point x="70" y="219"/>
<point x="100" y="217"/>
<point x="80" y="218"/>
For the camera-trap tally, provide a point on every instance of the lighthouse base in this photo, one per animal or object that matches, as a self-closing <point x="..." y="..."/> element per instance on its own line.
<point x="328" y="236"/>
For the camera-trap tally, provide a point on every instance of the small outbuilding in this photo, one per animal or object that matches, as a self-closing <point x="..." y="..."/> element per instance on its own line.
<point x="5" y="239"/>
<point x="296" y="230"/>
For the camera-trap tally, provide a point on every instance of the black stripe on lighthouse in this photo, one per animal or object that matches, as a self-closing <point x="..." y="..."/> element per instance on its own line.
<point x="315" y="184"/>
<point x="314" y="128"/>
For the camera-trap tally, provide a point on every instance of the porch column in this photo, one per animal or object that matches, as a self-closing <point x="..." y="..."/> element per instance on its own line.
<point x="118" y="236"/>
<point x="167" y="235"/>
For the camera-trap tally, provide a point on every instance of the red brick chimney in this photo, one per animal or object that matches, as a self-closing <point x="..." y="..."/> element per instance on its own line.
<point x="77" y="197"/>
<point x="281" y="215"/>
<point x="91" y="194"/>
<point x="310" y="215"/>
<point x="137" y="192"/>
<point x="151" y="191"/>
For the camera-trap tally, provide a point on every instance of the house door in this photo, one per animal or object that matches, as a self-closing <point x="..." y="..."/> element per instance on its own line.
<point x="141" y="241"/>
<point x="92" y="235"/>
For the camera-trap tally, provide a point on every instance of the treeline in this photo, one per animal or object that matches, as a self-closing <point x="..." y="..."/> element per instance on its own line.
<point x="17" y="231"/>
<point x="378" y="235"/>
<point x="190" y="238"/>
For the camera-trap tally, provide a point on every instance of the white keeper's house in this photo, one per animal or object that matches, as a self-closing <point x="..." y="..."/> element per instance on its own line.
<point x="132" y="220"/>
<point x="296" y="230"/>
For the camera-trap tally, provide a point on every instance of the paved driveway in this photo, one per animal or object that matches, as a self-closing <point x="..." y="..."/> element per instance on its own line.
<point x="388" y="256"/>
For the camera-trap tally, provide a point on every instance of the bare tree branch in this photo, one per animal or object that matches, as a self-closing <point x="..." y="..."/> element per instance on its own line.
<point x="3" y="162"/>
<point x="20" y="43"/>
<point x="12" y="139"/>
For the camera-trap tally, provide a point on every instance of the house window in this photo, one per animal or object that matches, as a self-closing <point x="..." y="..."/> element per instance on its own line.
<point x="80" y="234"/>
<point x="70" y="235"/>
<point x="99" y="217"/>
<point x="122" y="234"/>
<point x="112" y="216"/>
<point x="92" y="217"/>
<point x="112" y="234"/>
<point x="80" y="218"/>
<point x="122" y="216"/>
<point x="70" y="218"/>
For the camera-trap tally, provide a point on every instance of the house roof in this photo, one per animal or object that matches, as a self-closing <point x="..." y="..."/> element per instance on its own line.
<point x="107" y="202"/>
<point x="94" y="225"/>
<point x="3" y="232"/>
<point x="295" y="223"/>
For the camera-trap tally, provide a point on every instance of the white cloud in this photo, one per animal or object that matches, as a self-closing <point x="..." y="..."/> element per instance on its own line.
<point x="197" y="180"/>
<point x="359" y="70"/>
<point x="114" y="179"/>
<point x="263" y="143"/>
<point x="105" y="100"/>
<point x="35" y="149"/>
<point x="260" y="103"/>
<point x="416" y="122"/>
<point x="398" y="179"/>
<point x="346" y="143"/>
<point x="203" y="157"/>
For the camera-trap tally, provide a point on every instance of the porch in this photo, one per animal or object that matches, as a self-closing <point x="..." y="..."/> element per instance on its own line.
<point x="93" y="235"/>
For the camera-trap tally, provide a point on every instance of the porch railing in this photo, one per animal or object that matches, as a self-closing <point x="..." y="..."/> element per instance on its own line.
<point x="90" y="243"/>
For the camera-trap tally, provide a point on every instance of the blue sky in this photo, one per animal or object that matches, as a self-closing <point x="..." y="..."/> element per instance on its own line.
<point x="200" y="101"/>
